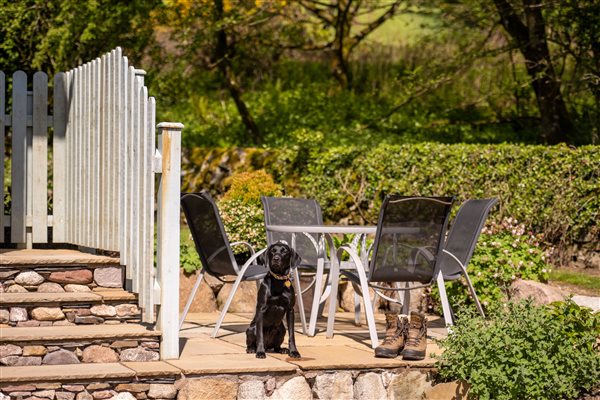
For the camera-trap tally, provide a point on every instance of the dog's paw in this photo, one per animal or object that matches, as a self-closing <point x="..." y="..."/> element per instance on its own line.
<point x="261" y="354"/>
<point x="250" y="350"/>
<point x="283" y="351"/>
<point x="295" y="354"/>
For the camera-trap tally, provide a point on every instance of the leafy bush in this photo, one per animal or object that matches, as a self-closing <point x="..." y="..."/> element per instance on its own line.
<point x="524" y="351"/>
<point x="551" y="190"/>
<point x="504" y="252"/>
<point x="241" y="208"/>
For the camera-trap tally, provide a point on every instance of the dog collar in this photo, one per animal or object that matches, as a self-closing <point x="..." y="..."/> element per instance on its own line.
<point x="287" y="278"/>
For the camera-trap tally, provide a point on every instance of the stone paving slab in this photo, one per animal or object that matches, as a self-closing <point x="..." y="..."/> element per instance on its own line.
<point x="205" y="345"/>
<point x="153" y="369"/>
<point x="39" y="298"/>
<point x="53" y="333"/>
<point x="72" y="372"/>
<point x="115" y="294"/>
<point x="14" y="257"/>
<point x="231" y="364"/>
<point x="344" y="357"/>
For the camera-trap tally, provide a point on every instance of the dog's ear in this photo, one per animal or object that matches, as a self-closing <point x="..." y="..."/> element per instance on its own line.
<point x="294" y="258"/>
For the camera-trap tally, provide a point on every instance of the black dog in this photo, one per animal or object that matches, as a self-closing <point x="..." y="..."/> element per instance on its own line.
<point x="276" y="298"/>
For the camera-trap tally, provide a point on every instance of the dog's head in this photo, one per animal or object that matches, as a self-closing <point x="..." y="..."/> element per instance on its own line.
<point x="280" y="258"/>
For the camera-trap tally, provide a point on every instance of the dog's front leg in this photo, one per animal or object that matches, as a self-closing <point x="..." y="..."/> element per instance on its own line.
<point x="261" y="307"/>
<point x="293" y="351"/>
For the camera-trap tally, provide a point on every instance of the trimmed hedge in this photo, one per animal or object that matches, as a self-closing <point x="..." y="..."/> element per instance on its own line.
<point x="552" y="190"/>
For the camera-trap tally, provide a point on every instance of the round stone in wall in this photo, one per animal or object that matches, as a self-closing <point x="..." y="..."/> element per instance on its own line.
<point x="74" y="288"/>
<point x="99" y="354"/>
<point x="4" y="316"/>
<point x="138" y="354"/>
<point x="29" y="278"/>
<point x="111" y="277"/>
<point x="16" y="289"/>
<point x="50" y="287"/>
<point x="104" y="310"/>
<point x="60" y="357"/>
<point x="18" y="314"/>
<point x="47" y="314"/>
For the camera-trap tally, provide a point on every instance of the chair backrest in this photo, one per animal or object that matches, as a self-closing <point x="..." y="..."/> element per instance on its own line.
<point x="463" y="235"/>
<point x="293" y="211"/>
<point x="409" y="237"/>
<point x="209" y="235"/>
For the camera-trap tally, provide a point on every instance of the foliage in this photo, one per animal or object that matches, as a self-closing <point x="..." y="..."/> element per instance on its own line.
<point x="55" y="35"/>
<point x="524" y="351"/>
<point x="241" y="208"/>
<point x="504" y="252"/>
<point x="551" y="190"/>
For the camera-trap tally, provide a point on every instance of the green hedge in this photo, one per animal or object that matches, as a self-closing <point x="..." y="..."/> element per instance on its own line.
<point x="552" y="190"/>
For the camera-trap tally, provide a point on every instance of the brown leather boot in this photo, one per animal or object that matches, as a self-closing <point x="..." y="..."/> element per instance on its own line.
<point x="416" y="344"/>
<point x="396" y="329"/>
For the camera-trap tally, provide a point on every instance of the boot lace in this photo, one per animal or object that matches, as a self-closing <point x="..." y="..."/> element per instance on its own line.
<point x="413" y="340"/>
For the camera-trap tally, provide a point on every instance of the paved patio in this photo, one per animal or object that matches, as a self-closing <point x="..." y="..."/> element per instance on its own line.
<point x="348" y="349"/>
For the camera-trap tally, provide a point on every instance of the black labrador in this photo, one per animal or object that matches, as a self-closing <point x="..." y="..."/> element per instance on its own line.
<point x="276" y="299"/>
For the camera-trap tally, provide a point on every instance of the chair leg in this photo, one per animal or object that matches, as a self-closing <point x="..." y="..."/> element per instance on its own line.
<point x="472" y="289"/>
<point x="357" y="321"/>
<point x="368" y="310"/>
<point x="335" y="278"/>
<point x="236" y="284"/>
<point x="191" y="298"/>
<point x="406" y="299"/>
<point x="314" y="312"/>
<point x="444" y="299"/>
<point x="300" y="300"/>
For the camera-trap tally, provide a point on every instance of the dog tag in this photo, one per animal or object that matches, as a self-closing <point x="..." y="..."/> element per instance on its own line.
<point x="288" y="283"/>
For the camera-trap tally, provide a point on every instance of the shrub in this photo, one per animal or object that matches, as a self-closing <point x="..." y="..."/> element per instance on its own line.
<point x="504" y="252"/>
<point x="524" y="351"/>
<point x="241" y="208"/>
<point x="551" y="190"/>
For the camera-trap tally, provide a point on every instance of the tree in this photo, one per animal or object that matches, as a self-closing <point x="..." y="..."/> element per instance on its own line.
<point x="53" y="35"/>
<point x="347" y="23"/>
<point x="226" y="36"/>
<point x="527" y="27"/>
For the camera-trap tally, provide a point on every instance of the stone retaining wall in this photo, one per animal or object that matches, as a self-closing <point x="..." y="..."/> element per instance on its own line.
<point x="339" y="385"/>
<point x="55" y="279"/>
<point x="91" y="351"/>
<point x="80" y="314"/>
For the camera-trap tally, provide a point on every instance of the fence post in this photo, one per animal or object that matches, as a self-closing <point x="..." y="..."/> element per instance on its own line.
<point x="168" y="238"/>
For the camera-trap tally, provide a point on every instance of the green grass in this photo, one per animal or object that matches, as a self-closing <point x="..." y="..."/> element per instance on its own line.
<point x="576" y="278"/>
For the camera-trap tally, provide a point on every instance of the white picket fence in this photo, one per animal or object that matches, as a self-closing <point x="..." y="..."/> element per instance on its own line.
<point x="104" y="161"/>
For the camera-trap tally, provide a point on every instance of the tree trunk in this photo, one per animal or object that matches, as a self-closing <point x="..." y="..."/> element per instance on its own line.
<point x="530" y="36"/>
<point x="223" y="59"/>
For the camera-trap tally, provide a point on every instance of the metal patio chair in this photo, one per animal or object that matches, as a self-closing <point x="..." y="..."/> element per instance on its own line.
<point x="214" y="249"/>
<point x="409" y="239"/>
<point x="460" y="245"/>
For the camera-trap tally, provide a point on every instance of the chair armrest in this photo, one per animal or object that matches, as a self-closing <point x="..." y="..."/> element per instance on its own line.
<point x="245" y="244"/>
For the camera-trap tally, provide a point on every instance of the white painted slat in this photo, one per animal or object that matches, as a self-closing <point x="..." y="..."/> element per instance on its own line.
<point x="123" y="163"/>
<point x="79" y="158"/>
<point x="104" y="210"/>
<point x="40" y="158"/>
<point x="113" y="200"/>
<point x="19" y="158"/>
<point x="29" y="172"/>
<point x="59" y="158"/>
<point x="2" y="133"/>
<point x="88" y="183"/>
<point x="149" y="146"/>
<point x="69" y="159"/>
<point x="141" y="187"/>
<point x="135" y="187"/>
<point x="96" y="127"/>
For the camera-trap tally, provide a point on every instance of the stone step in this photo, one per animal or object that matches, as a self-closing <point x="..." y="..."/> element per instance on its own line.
<point x="91" y="381"/>
<point x="52" y="270"/>
<point x="60" y="345"/>
<point x="33" y="309"/>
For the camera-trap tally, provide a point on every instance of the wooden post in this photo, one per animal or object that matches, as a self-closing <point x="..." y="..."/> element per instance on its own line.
<point x="168" y="238"/>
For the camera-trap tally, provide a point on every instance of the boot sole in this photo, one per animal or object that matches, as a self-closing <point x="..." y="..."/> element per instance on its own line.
<point x="384" y="353"/>
<point x="413" y="355"/>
